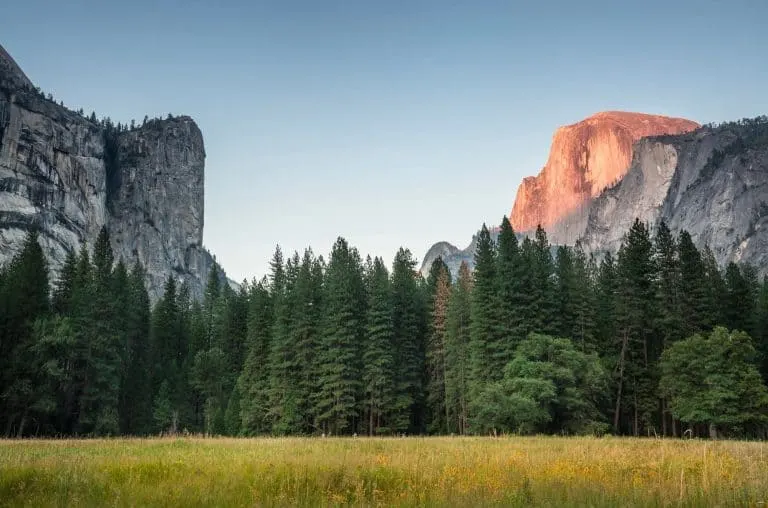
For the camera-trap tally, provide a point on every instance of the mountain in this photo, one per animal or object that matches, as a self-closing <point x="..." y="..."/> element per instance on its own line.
<point x="584" y="159"/>
<point x="452" y="256"/>
<point x="711" y="181"/>
<point x="68" y="176"/>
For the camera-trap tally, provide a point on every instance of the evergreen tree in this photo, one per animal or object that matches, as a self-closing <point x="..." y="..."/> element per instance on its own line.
<point x="378" y="358"/>
<point x="739" y="302"/>
<point x="410" y="323"/>
<point x="696" y="306"/>
<point x="167" y="361"/>
<point x="509" y="276"/>
<point x="457" y="339"/>
<point x="485" y="357"/>
<point x="254" y="381"/>
<point x="62" y="294"/>
<point x="565" y="280"/>
<point x="135" y="407"/>
<point x="606" y="291"/>
<point x="545" y="320"/>
<point x="23" y="299"/>
<point x="339" y="370"/>
<point x="435" y="355"/>
<point x="584" y="304"/>
<point x="285" y="411"/>
<point x="670" y="320"/>
<point x="101" y="388"/>
<point x="639" y="347"/>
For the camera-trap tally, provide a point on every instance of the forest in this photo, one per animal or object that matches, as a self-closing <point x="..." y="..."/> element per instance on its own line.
<point x="656" y="340"/>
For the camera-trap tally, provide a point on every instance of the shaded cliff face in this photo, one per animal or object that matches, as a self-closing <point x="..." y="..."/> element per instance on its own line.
<point x="68" y="177"/>
<point x="712" y="182"/>
<point x="584" y="159"/>
<point x="155" y="201"/>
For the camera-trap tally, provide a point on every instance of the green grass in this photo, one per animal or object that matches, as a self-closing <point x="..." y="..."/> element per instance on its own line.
<point x="538" y="471"/>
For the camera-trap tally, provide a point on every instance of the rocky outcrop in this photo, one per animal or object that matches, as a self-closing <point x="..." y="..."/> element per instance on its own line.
<point x="68" y="177"/>
<point x="451" y="255"/>
<point x="585" y="158"/>
<point x="712" y="182"/>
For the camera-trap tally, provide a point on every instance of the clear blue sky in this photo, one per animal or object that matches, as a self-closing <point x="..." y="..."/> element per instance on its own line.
<point x="388" y="122"/>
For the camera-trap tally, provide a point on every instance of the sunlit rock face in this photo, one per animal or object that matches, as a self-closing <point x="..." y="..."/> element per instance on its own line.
<point x="585" y="158"/>
<point x="65" y="176"/>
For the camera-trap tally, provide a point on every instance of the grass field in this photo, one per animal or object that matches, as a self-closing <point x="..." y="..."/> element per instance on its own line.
<point x="540" y="471"/>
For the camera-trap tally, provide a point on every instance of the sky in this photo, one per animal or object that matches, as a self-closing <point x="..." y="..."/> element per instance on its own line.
<point x="390" y="123"/>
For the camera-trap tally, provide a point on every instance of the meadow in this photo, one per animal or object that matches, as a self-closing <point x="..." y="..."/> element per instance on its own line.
<point x="449" y="471"/>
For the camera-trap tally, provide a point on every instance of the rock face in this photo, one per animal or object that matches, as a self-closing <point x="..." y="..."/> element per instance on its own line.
<point x="69" y="177"/>
<point x="585" y="158"/>
<point x="712" y="182"/>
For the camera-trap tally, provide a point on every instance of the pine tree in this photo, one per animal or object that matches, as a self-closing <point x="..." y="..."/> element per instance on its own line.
<point x="543" y="285"/>
<point x="607" y="291"/>
<point x="101" y="390"/>
<point x="739" y="304"/>
<point x="565" y="317"/>
<point x="254" y="380"/>
<point x="23" y="299"/>
<point x="378" y="359"/>
<point x="135" y="406"/>
<point x="410" y="321"/>
<point x="584" y="300"/>
<point x="509" y="277"/>
<point x="285" y="406"/>
<point x="484" y="352"/>
<point x="457" y="339"/>
<point x="670" y="320"/>
<point x="435" y="355"/>
<point x="62" y="294"/>
<point x="696" y="307"/>
<point x="339" y="371"/>
<point x="761" y="337"/>
<point x="715" y="289"/>
<point x="167" y="361"/>
<point x="639" y="346"/>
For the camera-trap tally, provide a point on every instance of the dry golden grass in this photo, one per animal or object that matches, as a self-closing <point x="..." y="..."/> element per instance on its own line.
<point x="540" y="471"/>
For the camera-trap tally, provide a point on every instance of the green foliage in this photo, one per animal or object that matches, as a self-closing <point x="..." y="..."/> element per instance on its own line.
<point x="712" y="380"/>
<point x="346" y="347"/>
<point x="484" y="344"/>
<point x="549" y="386"/>
<point x="378" y="360"/>
<point x="409" y="326"/>
<point x="339" y="369"/>
<point x="457" y="340"/>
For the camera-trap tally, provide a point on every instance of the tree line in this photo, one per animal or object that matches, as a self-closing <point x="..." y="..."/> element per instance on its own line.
<point x="656" y="340"/>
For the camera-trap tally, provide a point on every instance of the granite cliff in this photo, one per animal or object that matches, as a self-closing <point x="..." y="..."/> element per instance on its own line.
<point x="584" y="159"/>
<point x="69" y="176"/>
<point x="711" y="181"/>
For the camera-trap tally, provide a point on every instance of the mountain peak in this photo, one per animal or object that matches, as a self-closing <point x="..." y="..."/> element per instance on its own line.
<point x="585" y="158"/>
<point x="10" y="70"/>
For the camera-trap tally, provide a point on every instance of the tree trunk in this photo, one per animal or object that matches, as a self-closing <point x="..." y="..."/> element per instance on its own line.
<point x="370" y="422"/>
<point x="663" y="418"/>
<point x="636" y="427"/>
<point x="22" y="424"/>
<point x="712" y="431"/>
<point x="617" y="413"/>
